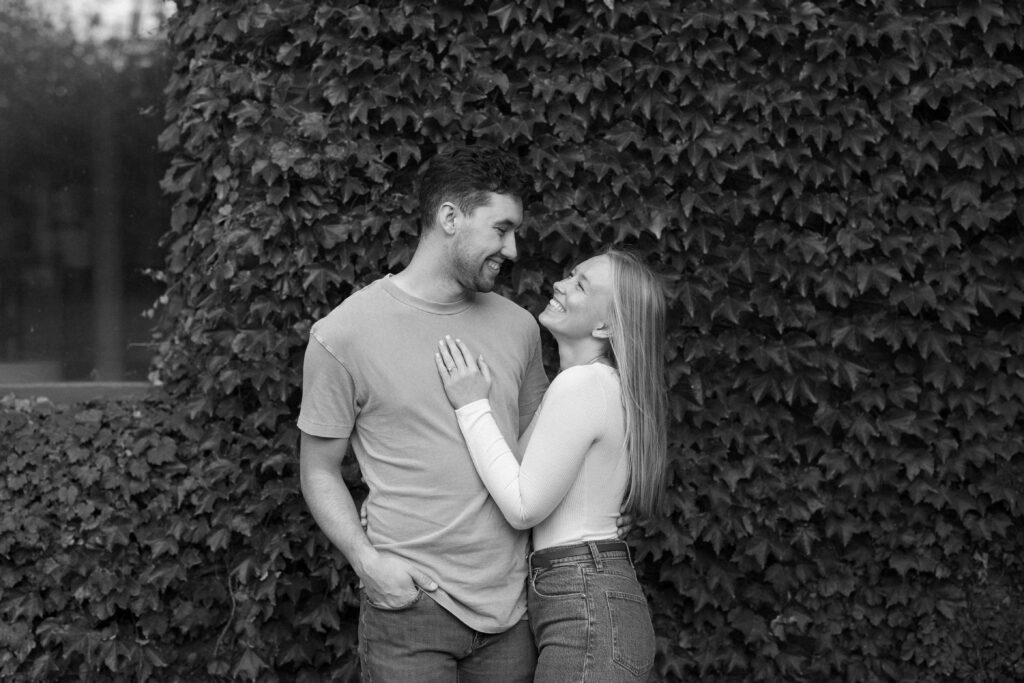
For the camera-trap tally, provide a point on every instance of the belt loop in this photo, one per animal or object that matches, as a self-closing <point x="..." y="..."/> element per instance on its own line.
<point x="596" y="554"/>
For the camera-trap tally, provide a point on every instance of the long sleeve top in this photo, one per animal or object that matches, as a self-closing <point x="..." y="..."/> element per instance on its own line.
<point x="573" y="473"/>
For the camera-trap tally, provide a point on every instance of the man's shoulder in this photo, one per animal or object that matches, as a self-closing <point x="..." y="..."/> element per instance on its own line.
<point x="500" y="305"/>
<point x="352" y="312"/>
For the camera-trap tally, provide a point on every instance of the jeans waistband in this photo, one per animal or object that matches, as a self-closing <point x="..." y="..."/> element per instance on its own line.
<point x="596" y="550"/>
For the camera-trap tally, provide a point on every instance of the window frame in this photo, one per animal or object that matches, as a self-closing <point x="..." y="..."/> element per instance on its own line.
<point x="77" y="392"/>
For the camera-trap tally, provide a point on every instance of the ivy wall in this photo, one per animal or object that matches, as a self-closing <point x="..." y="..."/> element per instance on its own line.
<point x="833" y="191"/>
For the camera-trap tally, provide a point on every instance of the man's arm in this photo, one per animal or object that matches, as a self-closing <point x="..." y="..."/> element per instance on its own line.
<point x="390" y="581"/>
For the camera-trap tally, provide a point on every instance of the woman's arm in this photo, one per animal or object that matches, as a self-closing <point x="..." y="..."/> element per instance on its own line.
<point x="567" y="423"/>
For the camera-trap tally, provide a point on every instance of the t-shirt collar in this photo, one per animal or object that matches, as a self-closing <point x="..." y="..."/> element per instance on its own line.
<point x="422" y="304"/>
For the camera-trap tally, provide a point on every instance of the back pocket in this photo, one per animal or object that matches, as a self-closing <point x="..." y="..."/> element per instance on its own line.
<point x="632" y="632"/>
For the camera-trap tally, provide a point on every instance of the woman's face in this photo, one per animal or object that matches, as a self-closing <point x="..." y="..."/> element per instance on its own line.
<point x="581" y="303"/>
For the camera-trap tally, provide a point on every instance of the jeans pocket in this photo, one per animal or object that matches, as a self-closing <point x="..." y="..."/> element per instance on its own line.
<point x="558" y="581"/>
<point x="399" y="608"/>
<point x="632" y="632"/>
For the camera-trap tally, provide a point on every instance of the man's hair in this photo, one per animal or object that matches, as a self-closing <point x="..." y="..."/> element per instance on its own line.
<point x="465" y="176"/>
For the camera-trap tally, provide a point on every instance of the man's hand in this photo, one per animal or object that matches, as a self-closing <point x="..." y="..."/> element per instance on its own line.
<point x="464" y="379"/>
<point x="624" y="523"/>
<point x="391" y="582"/>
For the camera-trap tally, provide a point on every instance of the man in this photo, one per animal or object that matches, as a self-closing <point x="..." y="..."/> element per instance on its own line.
<point x="443" y="574"/>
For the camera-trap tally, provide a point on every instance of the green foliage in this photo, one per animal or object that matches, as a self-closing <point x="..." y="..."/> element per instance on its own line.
<point x="833" y="191"/>
<point x="134" y="549"/>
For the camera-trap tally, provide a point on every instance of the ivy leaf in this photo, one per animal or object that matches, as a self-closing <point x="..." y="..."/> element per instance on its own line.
<point x="757" y="548"/>
<point x="982" y="12"/>
<point x="505" y="15"/>
<point x="323" y="617"/>
<point x="285" y="154"/>
<point x="753" y="627"/>
<point x="493" y="79"/>
<point x="249" y="666"/>
<point x="850" y="373"/>
<point x="962" y="194"/>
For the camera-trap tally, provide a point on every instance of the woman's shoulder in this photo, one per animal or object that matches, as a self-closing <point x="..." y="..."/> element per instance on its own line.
<point x="588" y="392"/>
<point x="590" y="375"/>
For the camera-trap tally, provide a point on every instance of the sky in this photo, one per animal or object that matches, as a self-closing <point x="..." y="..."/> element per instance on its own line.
<point x="113" y="17"/>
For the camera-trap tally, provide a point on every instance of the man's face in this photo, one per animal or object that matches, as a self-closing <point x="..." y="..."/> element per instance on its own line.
<point x="484" y="239"/>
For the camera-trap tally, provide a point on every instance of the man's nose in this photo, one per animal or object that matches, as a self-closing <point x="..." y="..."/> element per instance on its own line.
<point x="508" y="247"/>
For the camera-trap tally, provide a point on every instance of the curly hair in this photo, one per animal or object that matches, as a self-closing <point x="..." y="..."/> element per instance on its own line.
<point x="465" y="176"/>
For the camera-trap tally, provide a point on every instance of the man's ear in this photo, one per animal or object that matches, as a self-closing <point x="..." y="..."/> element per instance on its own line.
<point x="602" y="331"/>
<point x="446" y="215"/>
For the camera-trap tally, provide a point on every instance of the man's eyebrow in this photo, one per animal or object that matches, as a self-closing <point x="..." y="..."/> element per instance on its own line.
<point x="506" y="223"/>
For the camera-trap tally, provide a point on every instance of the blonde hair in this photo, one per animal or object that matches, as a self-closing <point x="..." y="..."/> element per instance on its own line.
<point x="637" y="345"/>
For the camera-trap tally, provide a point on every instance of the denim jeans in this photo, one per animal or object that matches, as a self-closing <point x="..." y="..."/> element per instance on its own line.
<point x="424" y="643"/>
<point x="589" y="618"/>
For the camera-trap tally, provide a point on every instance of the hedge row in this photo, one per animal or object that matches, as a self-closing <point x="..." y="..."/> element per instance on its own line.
<point x="135" y="548"/>
<point x="832" y="189"/>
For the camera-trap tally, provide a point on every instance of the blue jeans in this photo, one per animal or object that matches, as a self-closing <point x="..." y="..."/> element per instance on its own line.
<point x="589" y="616"/>
<point x="423" y="642"/>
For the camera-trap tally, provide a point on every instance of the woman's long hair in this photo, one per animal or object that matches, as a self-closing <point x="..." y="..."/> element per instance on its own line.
<point x="638" y="345"/>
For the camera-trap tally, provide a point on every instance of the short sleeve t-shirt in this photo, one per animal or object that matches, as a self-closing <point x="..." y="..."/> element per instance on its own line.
<point x="369" y="375"/>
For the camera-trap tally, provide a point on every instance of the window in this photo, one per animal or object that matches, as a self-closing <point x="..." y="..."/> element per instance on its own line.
<point x="81" y="210"/>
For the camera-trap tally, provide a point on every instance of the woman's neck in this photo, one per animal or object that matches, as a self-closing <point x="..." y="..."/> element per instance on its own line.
<point x="583" y="352"/>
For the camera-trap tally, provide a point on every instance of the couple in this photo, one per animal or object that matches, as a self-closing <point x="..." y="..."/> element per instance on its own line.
<point x="444" y="561"/>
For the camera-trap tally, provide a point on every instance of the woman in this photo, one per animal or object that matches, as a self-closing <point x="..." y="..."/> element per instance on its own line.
<point x="598" y="437"/>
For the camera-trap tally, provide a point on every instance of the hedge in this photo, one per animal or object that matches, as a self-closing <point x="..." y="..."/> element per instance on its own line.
<point x="135" y="549"/>
<point x="832" y="190"/>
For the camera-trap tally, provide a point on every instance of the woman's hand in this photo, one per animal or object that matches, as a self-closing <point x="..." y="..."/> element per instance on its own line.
<point x="465" y="380"/>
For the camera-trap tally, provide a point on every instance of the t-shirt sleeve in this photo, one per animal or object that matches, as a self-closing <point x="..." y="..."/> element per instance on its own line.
<point x="535" y="383"/>
<point x="329" y="405"/>
<point x="568" y="423"/>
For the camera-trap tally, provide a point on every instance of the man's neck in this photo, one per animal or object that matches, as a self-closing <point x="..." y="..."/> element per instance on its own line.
<point x="424" y="280"/>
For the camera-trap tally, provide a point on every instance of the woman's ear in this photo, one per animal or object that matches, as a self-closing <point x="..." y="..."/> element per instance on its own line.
<point x="602" y="331"/>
